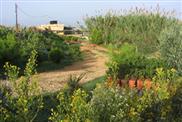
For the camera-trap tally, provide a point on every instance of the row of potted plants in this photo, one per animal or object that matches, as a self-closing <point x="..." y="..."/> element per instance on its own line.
<point x="132" y="83"/>
<point x="139" y="84"/>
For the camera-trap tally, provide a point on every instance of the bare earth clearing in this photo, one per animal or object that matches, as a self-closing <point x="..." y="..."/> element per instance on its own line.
<point x="93" y="65"/>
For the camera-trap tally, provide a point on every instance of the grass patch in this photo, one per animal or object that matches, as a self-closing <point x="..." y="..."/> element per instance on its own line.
<point x="90" y="85"/>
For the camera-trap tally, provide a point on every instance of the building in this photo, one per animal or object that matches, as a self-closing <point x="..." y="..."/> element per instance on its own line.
<point x="60" y="29"/>
<point x="53" y="26"/>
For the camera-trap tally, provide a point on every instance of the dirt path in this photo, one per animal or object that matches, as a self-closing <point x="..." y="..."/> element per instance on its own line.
<point x="93" y="65"/>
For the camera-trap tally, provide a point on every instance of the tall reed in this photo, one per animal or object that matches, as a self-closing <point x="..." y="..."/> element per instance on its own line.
<point x="139" y="26"/>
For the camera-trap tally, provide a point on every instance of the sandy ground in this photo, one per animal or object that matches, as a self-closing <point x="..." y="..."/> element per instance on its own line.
<point x="93" y="65"/>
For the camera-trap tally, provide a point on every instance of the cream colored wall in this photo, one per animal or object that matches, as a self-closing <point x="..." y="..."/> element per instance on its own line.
<point x="53" y="27"/>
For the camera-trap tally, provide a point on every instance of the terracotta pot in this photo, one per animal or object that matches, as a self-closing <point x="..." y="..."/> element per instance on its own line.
<point x="139" y="84"/>
<point x="124" y="83"/>
<point x="148" y="84"/>
<point x="119" y="83"/>
<point x="132" y="83"/>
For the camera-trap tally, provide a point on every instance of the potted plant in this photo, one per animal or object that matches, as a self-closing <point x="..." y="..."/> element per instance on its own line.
<point x="131" y="83"/>
<point x="148" y="84"/>
<point x="139" y="84"/>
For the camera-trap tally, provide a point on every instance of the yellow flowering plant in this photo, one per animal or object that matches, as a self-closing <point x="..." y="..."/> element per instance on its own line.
<point x="72" y="108"/>
<point x="20" y="102"/>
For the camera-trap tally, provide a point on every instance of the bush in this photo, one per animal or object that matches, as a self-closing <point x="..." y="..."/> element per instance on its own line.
<point x="71" y="38"/>
<point x="43" y="56"/>
<point x="176" y="103"/>
<point x="74" y="52"/>
<point x="115" y="104"/>
<point x="171" y="46"/>
<point x="128" y="63"/>
<point x="20" y="102"/>
<point x="72" y="108"/>
<point x="16" y="47"/>
<point x="165" y="86"/>
<point x="123" y="104"/>
<point x="9" y="50"/>
<point x="55" y="55"/>
<point x="109" y="104"/>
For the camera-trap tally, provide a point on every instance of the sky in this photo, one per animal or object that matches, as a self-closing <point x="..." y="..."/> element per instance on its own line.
<point x="69" y="12"/>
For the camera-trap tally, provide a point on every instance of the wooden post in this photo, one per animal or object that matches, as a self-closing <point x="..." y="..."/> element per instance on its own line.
<point x="16" y="13"/>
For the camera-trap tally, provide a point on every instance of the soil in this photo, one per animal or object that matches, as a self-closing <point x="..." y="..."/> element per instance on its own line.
<point x="93" y="66"/>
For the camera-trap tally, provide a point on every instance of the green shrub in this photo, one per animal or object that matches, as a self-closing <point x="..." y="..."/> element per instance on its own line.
<point x="16" y="47"/>
<point x="70" y="38"/>
<point x="115" y="104"/>
<point x="162" y="108"/>
<point x="74" y="53"/>
<point x="72" y="108"/>
<point x="20" y="103"/>
<point x="9" y="50"/>
<point x="171" y="46"/>
<point x="43" y="56"/>
<point x="55" y="55"/>
<point x="123" y="104"/>
<point x="176" y="104"/>
<point x="127" y="62"/>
